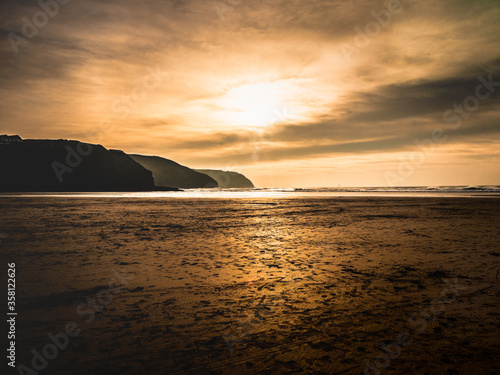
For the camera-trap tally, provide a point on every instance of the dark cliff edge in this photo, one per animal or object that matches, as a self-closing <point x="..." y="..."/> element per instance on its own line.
<point x="169" y="173"/>
<point x="70" y="166"/>
<point x="227" y="179"/>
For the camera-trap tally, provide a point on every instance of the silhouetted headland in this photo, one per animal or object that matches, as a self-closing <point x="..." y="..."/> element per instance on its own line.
<point x="73" y="166"/>
<point x="70" y="166"/>
<point x="169" y="173"/>
<point x="227" y="179"/>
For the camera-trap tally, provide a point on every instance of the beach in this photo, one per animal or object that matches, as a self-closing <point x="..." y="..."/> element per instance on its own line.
<point x="337" y="285"/>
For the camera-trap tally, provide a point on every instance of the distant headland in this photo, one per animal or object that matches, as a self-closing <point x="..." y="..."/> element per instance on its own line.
<point x="49" y="165"/>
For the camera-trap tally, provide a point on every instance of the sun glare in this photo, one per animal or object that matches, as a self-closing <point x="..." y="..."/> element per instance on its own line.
<point x="261" y="105"/>
<point x="258" y="105"/>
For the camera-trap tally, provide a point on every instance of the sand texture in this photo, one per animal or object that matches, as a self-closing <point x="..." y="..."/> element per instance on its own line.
<point x="257" y="286"/>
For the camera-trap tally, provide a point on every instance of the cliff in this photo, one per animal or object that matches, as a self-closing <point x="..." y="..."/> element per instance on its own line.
<point x="227" y="179"/>
<point x="169" y="173"/>
<point x="69" y="166"/>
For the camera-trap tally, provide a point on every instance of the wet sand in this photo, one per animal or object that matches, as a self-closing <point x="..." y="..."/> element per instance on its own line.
<point x="257" y="286"/>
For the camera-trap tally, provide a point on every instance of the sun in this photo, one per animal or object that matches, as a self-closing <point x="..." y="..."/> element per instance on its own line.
<point x="257" y="105"/>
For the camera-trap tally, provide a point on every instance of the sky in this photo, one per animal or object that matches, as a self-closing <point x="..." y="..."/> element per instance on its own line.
<point x="291" y="93"/>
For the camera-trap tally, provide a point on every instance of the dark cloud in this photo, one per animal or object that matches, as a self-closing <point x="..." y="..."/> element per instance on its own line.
<point x="408" y="142"/>
<point x="399" y="110"/>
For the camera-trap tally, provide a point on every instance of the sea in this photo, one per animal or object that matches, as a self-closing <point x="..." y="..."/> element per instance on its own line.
<point x="221" y="193"/>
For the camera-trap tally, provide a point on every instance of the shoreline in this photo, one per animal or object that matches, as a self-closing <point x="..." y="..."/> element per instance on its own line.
<point x="251" y="194"/>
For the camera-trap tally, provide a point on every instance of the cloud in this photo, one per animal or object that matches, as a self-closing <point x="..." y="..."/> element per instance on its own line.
<point x="427" y="57"/>
<point x="396" y="109"/>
